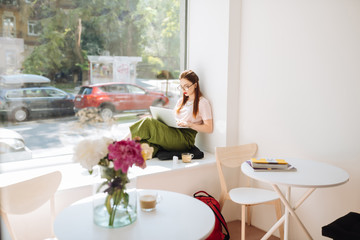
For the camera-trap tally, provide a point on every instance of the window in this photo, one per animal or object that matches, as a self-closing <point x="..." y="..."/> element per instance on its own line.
<point x="33" y="28"/>
<point x="135" y="90"/>
<point x="9" y="27"/>
<point x="54" y="93"/>
<point x="118" y="88"/>
<point x="85" y="91"/>
<point x="15" y="94"/>
<point x="82" y="46"/>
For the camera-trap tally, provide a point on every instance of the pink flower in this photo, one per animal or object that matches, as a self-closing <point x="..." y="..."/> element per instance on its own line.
<point x="124" y="154"/>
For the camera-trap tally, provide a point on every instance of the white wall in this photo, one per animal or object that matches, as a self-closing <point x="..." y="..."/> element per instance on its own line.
<point x="298" y="88"/>
<point x="208" y="56"/>
<point x="214" y="54"/>
<point x="299" y="93"/>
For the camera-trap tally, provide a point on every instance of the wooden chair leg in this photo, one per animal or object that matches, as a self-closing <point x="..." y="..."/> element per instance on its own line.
<point x="243" y="210"/>
<point x="248" y="211"/>
<point x="7" y="224"/>
<point x="278" y="216"/>
<point x="222" y="200"/>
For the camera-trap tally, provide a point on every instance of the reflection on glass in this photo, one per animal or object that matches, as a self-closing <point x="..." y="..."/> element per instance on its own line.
<point x="102" y="55"/>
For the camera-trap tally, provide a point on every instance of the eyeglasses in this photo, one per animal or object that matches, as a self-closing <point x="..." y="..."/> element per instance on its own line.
<point x="184" y="88"/>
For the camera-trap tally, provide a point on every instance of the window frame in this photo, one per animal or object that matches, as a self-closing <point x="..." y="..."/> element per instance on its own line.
<point x="6" y="32"/>
<point x="31" y="26"/>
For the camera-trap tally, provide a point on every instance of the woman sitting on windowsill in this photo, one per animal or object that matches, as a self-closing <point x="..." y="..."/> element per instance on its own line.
<point x="192" y="111"/>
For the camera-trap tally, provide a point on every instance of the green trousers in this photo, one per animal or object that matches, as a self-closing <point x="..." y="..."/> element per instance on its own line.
<point x="160" y="136"/>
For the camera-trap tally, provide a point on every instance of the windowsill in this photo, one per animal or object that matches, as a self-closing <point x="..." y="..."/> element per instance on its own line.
<point x="156" y="166"/>
<point x="35" y="163"/>
<point x="74" y="176"/>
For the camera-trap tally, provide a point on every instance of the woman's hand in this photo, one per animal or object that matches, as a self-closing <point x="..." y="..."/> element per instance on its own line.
<point x="206" y="126"/>
<point x="184" y="124"/>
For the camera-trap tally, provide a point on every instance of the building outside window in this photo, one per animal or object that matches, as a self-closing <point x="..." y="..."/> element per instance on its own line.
<point x="137" y="40"/>
<point x="33" y="28"/>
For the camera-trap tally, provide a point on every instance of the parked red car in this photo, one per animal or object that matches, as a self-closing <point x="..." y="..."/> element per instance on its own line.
<point x="114" y="97"/>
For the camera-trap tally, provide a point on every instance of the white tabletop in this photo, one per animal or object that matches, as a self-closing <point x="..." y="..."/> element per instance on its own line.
<point x="177" y="216"/>
<point x="309" y="174"/>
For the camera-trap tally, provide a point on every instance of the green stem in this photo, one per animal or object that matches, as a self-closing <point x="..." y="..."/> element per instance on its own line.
<point x="116" y="197"/>
<point x="112" y="215"/>
<point x="128" y="215"/>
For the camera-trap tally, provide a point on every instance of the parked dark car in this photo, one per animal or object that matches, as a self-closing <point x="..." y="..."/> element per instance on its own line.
<point x="21" y="103"/>
<point x="114" y="97"/>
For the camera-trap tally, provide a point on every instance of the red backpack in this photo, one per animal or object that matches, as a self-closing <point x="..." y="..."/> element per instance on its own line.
<point x="217" y="233"/>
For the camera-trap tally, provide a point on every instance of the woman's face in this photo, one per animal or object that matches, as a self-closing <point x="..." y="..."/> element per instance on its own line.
<point x="187" y="87"/>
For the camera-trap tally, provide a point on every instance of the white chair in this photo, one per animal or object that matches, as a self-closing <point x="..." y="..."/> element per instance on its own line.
<point x="27" y="196"/>
<point x="233" y="157"/>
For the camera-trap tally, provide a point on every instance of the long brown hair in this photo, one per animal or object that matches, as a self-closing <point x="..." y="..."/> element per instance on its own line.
<point x="193" y="78"/>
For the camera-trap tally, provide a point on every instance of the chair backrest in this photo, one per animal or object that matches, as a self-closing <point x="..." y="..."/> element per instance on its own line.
<point x="231" y="157"/>
<point x="24" y="197"/>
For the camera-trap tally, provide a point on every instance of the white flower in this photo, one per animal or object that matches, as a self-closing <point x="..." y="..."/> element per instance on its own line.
<point x="88" y="152"/>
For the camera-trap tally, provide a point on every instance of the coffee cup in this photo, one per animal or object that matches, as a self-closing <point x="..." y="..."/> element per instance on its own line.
<point x="148" y="200"/>
<point x="186" y="157"/>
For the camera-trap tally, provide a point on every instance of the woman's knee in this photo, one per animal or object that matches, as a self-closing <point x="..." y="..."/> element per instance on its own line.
<point x="147" y="122"/>
<point x="142" y="128"/>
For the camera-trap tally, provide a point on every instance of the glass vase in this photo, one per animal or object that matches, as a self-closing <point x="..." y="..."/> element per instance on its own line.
<point x="114" y="206"/>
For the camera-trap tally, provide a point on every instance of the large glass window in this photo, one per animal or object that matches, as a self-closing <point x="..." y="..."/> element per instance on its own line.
<point x="72" y="56"/>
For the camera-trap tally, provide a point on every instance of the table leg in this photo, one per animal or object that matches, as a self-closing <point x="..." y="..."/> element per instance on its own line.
<point x="273" y="228"/>
<point x="286" y="224"/>
<point x="303" y="198"/>
<point x="282" y="219"/>
<point x="290" y="209"/>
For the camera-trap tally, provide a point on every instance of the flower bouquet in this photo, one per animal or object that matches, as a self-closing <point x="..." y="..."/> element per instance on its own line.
<point x="114" y="158"/>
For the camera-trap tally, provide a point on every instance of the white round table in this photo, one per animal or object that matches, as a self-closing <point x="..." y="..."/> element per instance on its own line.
<point x="177" y="216"/>
<point x="309" y="174"/>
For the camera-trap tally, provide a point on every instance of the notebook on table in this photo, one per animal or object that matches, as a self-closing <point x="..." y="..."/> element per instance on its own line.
<point x="164" y="115"/>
